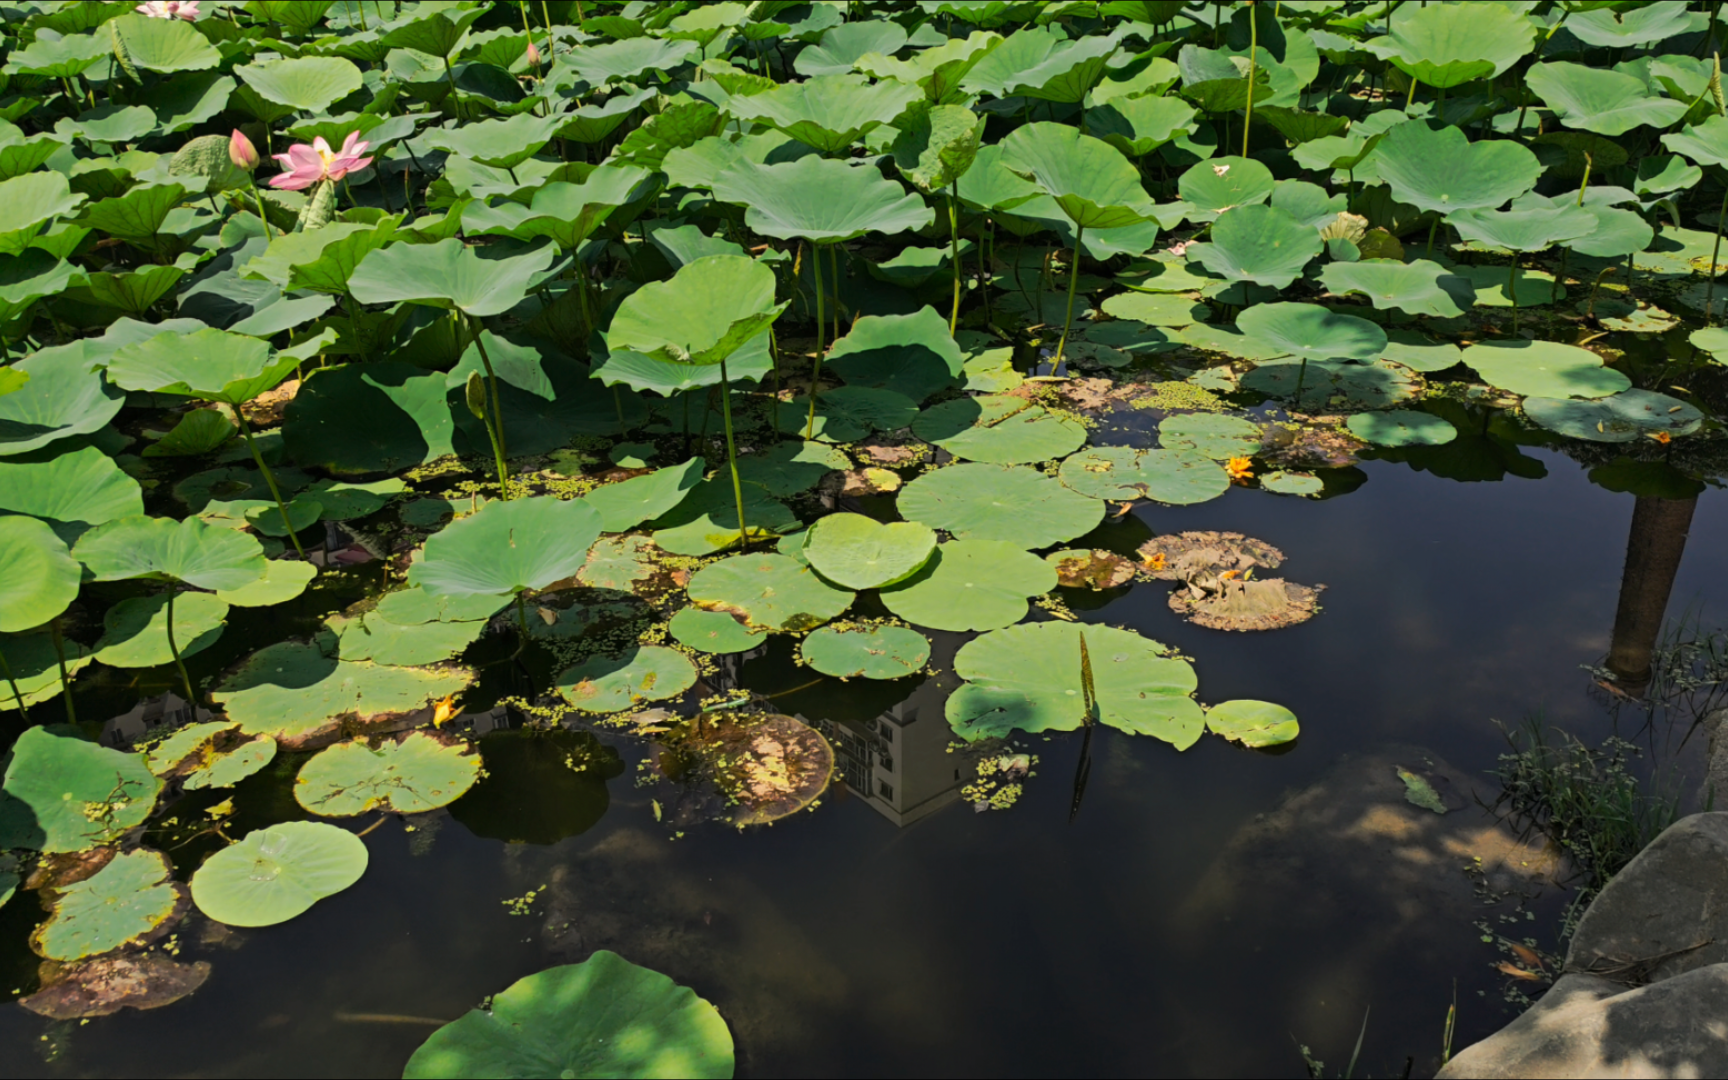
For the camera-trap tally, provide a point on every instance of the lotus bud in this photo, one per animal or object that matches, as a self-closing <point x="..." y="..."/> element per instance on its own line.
<point x="476" y="395"/>
<point x="533" y="54"/>
<point x="241" y="151"/>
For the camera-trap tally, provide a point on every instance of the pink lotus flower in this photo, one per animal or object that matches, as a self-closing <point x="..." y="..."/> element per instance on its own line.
<point x="1179" y="249"/>
<point x="241" y="151"/>
<point x="305" y="165"/>
<point x="169" y="9"/>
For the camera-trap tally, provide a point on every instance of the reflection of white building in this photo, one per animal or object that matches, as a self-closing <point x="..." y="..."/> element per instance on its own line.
<point x="148" y="718"/>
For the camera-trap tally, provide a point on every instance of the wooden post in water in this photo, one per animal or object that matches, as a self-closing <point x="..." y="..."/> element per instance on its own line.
<point x="1653" y="550"/>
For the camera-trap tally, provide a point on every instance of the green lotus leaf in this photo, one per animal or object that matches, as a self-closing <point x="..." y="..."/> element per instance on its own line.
<point x="161" y="549"/>
<point x="848" y="413"/>
<point x="541" y="425"/>
<point x="502" y="144"/>
<point x="33" y="275"/>
<point x="1309" y="330"/>
<point x="1401" y="427"/>
<point x="1261" y="244"/>
<point x="602" y="1017"/>
<point x="601" y="64"/>
<point x="380" y="416"/>
<point x="1028" y="678"/>
<point x="1337" y="151"/>
<point x="308" y="84"/>
<point x="1154" y="309"/>
<point x="233" y="484"/>
<point x="225" y="768"/>
<point x="619" y="681"/>
<point x="303" y="249"/>
<point x="999" y="429"/>
<point x="211" y="364"/>
<point x="770" y="591"/>
<point x="1014" y="504"/>
<point x="1618" y="233"/>
<point x="1711" y="339"/>
<point x="1301" y="126"/>
<point x="1041" y="62"/>
<point x="791" y="467"/>
<point x="707" y="520"/>
<point x="38" y="576"/>
<point x="820" y="200"/>
<point x="81" y="795"/>
<point x="674" y="127"/>
<point x="333" y="265"/>
<point x="1123" y="474"/>
<point x="1219" y="184"/>
<point x="828" y="112"/>
<point x="882" y="652"/>
<point x="592" y="123"/>
<point x="751" y="363"/>
<point x="1419" y="288"/>
<point x="1706" y="143"/>
<point x="137" y="215"/>
<point x="629" y="503"/>
<point x="1623" y="417"/>
<point x="162" y="45"/>
<point x="1606" y="102"/>
<point x="421" y="772"/>
<point x="1420" y="353"/>
<point x="1281" y="482"/>
<point x="1534" y="288"/>
<point x="1217" y="437"/>
<point x="448" y="274"/>
<point x="132" y="292"/>
<point x="1451" y="45"/>
<point x="376" y="638"/>
<point x="1307" y="203"/>
<point x="1544" y="369"/>
<point x="1315" y="384"/>
<point x="1253" y="723"/>
<point x="80" y="487"/>
<point x="1528" y="229"/>
<point x="35" y="664"/>
<point x="567" y="213"/>
<point x="199" y="432"/>
<point x="109" y="124"/>
<point x="58" y="58"/>
<point x="136" y="630"/>
<point x="29" y="202"/>
<point x="713" y="631"/>
<point x="938" y="71"/>
<point x="1611" y="29"/>
<point x="276" y="873"/>
<point x="508" y="547"/>
<point x="1093" y="184"/>
<point x="1139" y="125"/>
<point x="936" y="146"/>
<point x="704" y="314"/>
<point x="293" y="690"/>
<point x="1445" y="172"/>
<point x="991" y="185"/>
<point x="347" y="502"/>
<point x="860" y="553"/>
<point x="971" y="585"/>
<point x="417" y="607"/>
<point x="122" y="902"/>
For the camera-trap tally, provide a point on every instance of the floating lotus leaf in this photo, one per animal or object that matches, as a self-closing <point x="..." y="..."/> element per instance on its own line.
<point x="1281" y="482"/>
<point x="1420" y="353"/>
<point x="713" y="631"/>
<point x="1419" y="288"/>
<point x="1622" y="417"/>
<point x="848" y="413"/>
<point x="1154" y="309"/>
<point x="1096" y="569"/>
<point x="1315" y="384"/>
<point x="1451" y="45"/>
<point x="1219" y="184"/>
<point x="1401" y="427"/>
<point x="704" y="314"/>
<point x="1711" y="339"/>
<point x="1594" y="99"/>
<point x="860" y="553"/>
<point x="1443" y="171"/>
<point x="1093" y="184"/>
<point x="107" y="984"/>
<point x="1261" y="244"/>
<point x="912" y="354"/>
<point x="1247" y="604"/>
<point x="369" y="418"/>
<point x="508" y="547"/>
<point x="415" y="606"/>
<point x="1253" y="723"/>
<point x="1309" y="330"/>
<point x="971" y="585"/>
<point x="274" y="874"/>
<point x="80" y="795"/>
<point x="1544" y="369"/>
<point x="372" y="637"/>
<point x="122" y="902"/>
<point x="1229" y="341"/>
<point x="882" y="652"/>
<point x="161" y="549"/>
<point x="791" y="467"/>
<point x="282" y="581"/>
<point x="418" y="773"/>
<point x="1216" y="436"/>
<point x="618" y="563"/>
<point x="1021" y="506"/>
<point x="604" y="1016"/>
<point x="81" y="487"/>
<point x="1631" y="317"/>
<point x="707" y="520"/>
<point x="1028" y="678"/>
<point x="999" y="429"/>
<point x="211" y="755"/>
<point x="819" y="199"/>
<point x="615" y="682"/>
<point x="1177" y="477"/>
<point x="629" y="503"/>
<point x="38" y="576"/>
<point x="167" y="756"/>
<point x="296" y="692"/>
<point x="63" y="397"/>
<point x="770" y="591"/>
<point x="137" y="629"/>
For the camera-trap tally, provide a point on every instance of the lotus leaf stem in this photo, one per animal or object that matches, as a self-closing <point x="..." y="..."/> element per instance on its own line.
<point x="774" y="402"/>
<point x="1606" y="270"/>
<point x="12" y="682"/>
<point x="269" y="481"/>
<point x="732" y="456"/>
<point x="954" y="233"/>
<point x="495" y="417"/>
<point x="191" y="695"/>
<point x="1512" y="289"/>
<point x="65" y="679"/>
<point x="1715" y="250"/>
<point x="1073" y="280"/>
<point x="1248" y="116"/>
<point x="816" y="372"/>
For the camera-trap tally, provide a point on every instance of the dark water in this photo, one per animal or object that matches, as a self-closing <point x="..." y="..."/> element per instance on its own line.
<point x="908" y="935"/>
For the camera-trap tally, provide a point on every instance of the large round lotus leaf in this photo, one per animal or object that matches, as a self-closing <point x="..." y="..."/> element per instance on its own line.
<point x="971" y="585"/>
<point x="1442" y="171"/>
<point x="713" y="631"/>
<point x="704" y="314"/>
<point x="1523" y="228"/>
<point x="791" y="467"/>
<point x="421" y="772"/>
<point x="842" y="46"/>
<point x="861" y="553"/>
<point x="292" y="690"/>
<point x="1123" y="474"/>
<point x="65" y="396"/>
<point x="1090" y="180"/>
<point x="909" y="354"/>
<point x="1217" y="436"/>
<point x="1253" y="723"/>
<point x="136" y="630"/>
<point x="125" y="900"/>
<point x="1315" y="384"/>
<point x="1420" y="287"/>
<point x="1028" y="678"/>
<point x="1418" y="352"/>
<point x="277" y="873"/>
<point x="828" y="112"/>
<point x="1595" y="99"/>
<point x="1309" y="330"/>
<point x="82" y="487"/>
<point x="848" y="413"/>
<point x="502" y="144"/>
<point x="1452" y="44"/>
<point x="371" y="637"/>
<point x="38" y="576"/>
<point x="602" y="1017"/>
<point x="508" y="547"/>
<point x="999" y="429"/>
<point x="1261" y="244"/>
<point x="707" y="520"/>
<point x="1401" y="427"/>
<point x="35" y="667"/>
<point x="1223" y="183"/>
<point x="203" y="556"/>
<point x="883" y="652"/>
<point x="414" y="607"/>
<point x="771" y="591"/>
<point x="211" y="364"/>
<point x="1155" y="309"/>
<point x="1544" y="369"/>
<point x="820" y="199"/>
<point x="628" y="504"/>
<point x="1610" y="27"/>
<point x="1227" y="340"/>
<point x="381" y="416"/>
<point x="538" y="786"/>
<point x="308" y="84"/>
<point x="1618" y="233"/>
<point x="613" y="683"/>
<point x="1015" y="504"/>
<point x="1622" y="417"/>
<point x="450" y="274"/>
<point x="81" y="795"/>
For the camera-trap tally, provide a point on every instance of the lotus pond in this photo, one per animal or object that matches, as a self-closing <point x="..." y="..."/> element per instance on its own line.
<point x="665" y="539"/>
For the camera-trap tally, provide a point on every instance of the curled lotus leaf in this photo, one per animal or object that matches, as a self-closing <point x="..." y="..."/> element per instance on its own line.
<point x="971" y="585"/>
<point x="771" y="591"/>
<point x="420" y="772"/>
<point x="38" y="576"/>
<point x="276" y="873"/>
<point x="76" y="488"/>
<point x="1544" y="369"/>
<point x="1253" y="723"/>
<point x="212" y="364"/>
<point x="1028" y="678"/>
<point x="828" y="112"/>
<point x="1089" y="180"/>
<point x="618" y="681"/>
<point x="1264" y="245"/>
<point x="702" y="315"/>
<point x="368" y="418"/>
<point x="130" y="898"/>
<point x="1247" y="604"/>
<point x="713" y="631"/>
<point x="1594" y="99"/>
<point x="161" y="549"/>
<point x="858" y="552"/>
<point x="508" y="547"/>
<point x="1619" y="418"/>
<point x="1014" y="504"/>
<point x="1401" y="427"/>
<point x="81" y="795"/>
<point x="1180" y="477"/>
<point x="881" y="652"/>
<point x="1000" y="429"/>
<point x="1451" y="45"/>
<point x="1217" y="436"/>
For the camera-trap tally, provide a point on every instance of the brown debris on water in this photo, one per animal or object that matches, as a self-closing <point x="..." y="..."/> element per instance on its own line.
<point x="1096" y="569"/>
<point x="1310" y="442"/>
<point x="1179" y="556"/>
<point x="1237" y="603"/>
<point x="767" y="765"/>
<point x="110" y="983"/>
